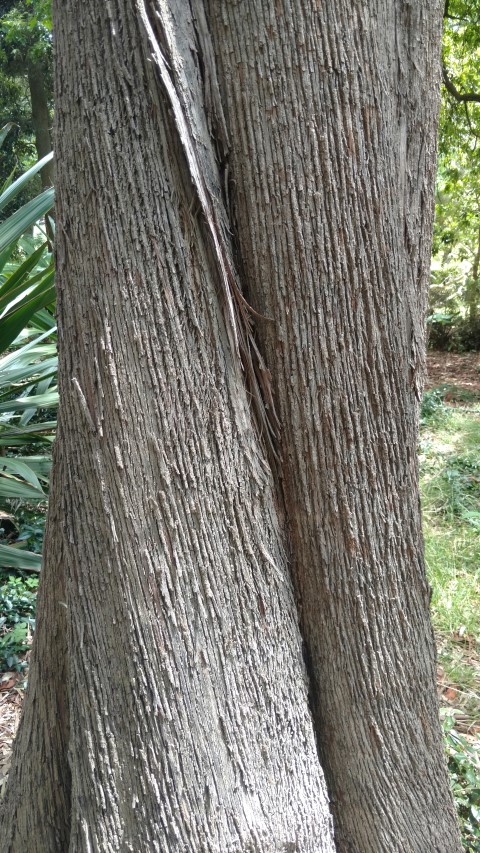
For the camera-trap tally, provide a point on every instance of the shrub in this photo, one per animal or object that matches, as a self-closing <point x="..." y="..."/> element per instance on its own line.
<point x="464" y="767"/>
<point x="453" y="333"/>
<point x="17" y="619"/>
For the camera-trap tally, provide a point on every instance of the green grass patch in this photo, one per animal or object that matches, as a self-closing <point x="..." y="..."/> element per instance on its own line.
<point x="450" y="492"/>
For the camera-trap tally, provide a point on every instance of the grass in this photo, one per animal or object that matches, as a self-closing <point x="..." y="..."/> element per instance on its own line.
<point x="450" y="492"/>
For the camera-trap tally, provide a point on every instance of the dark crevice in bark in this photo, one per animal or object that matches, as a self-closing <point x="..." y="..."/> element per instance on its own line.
<point x="259" y="382"/>
<point x="312" y="689"/>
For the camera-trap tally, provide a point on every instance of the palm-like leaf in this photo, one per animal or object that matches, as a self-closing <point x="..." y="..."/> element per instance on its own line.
<point x="13" y="557"/>
<point x="28" y="372"/>
<point x="9" y="194"/>
<point x="22" y="219"/>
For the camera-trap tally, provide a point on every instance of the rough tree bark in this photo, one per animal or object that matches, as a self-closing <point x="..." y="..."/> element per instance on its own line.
<point x="332" y="112"/>
<point x="203" y="148"/>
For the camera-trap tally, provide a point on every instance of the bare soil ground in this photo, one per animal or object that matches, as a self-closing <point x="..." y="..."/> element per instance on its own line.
<point x="11" y="698"/>
<point x="460" y="370"/>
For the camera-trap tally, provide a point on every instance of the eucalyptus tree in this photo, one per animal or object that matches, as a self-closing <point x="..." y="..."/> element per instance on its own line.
<point x="233" y="616"/>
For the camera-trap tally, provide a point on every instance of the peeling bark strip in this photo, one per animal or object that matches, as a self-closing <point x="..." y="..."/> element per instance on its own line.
<point x="189" y="128"/>
<point x="168" y="707"/>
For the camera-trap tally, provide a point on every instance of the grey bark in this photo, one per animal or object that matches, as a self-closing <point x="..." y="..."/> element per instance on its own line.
<point x="189" y="726"/>
<point x="299" y="172"/>
<point x="332" y="112"/>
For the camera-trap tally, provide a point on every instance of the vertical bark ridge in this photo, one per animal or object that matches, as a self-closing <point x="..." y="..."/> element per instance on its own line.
<point x="189" y="721"/>
<point x="331" y="111"/>
<point x="167" y="45"/>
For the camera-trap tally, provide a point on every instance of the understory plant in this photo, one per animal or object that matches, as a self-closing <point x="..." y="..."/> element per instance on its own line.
<point x="17" y="618"/>
<point x="28" y="360"/>
<point x="463" y="756"/>
<point x="450" y="488"/>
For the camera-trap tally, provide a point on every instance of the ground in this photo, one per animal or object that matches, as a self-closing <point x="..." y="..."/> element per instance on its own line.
<point x="460" y="370"/>
<point x="11" y="696"/>
<point x="450" y="485"/>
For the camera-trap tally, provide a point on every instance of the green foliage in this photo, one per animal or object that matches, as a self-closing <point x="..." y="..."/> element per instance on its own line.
<point x="23" y="410"/>
<point x="463" y="757"/>
<point x="450" y="493"/>
<point x="31" y="521"/>
<point x="28" y="364"/>
<point x="432" y="406"/>
<point x="453" y="332"/>
<point x="13" y="644"/>
<point x="455" y="289"/>
<point x="451" y="462"/>
<point x="18" y="150"/>
<point x="26" y="34"/>
<point x="25" y="43"/>
<point x="17" y="599"/>
<point x="17" y="618"/>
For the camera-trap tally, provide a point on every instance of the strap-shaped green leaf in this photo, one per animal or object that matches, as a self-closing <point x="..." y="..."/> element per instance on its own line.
<point x="12" y="324"/>
<point x="17" y="469"/>
<point x="19" y="274"/>
<point x="13" y="190"/>
<point x="41" y="401"/>
<point x="14" y="558"/>
<point x="18" y="222"/>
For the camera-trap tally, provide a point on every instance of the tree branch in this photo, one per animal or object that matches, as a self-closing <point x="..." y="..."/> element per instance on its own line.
<point x="448" y="17"/>
<point x="452" y="89"/>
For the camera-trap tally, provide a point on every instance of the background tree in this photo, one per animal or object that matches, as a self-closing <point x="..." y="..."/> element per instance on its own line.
<point x="455" y="292"/>
<point x="26" y="83"/>
<point x="208" y="154"/>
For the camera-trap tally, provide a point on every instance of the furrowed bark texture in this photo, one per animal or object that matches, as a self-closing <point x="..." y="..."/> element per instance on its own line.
<point x="331" y="111"/>
<point x="189" y="721"/>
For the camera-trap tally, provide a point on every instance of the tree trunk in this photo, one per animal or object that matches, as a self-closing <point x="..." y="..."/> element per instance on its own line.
<point x="189" y="726"/>
<point x="299" y="169"/>
<point x="41" y="120"/>
<point x="472" y="289"/>
<point x="332" y="112"/>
